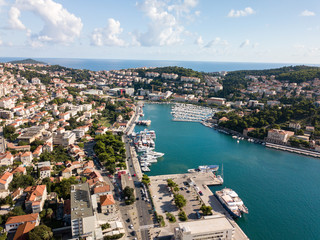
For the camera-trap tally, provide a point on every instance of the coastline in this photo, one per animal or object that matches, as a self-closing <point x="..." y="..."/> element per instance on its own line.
<point x="227" y="131"/>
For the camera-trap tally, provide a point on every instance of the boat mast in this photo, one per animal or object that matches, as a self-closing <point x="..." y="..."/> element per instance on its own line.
<point x="222" y="171"/>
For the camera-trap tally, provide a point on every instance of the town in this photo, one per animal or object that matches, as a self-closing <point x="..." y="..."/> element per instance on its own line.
<point x="67" y="162"/>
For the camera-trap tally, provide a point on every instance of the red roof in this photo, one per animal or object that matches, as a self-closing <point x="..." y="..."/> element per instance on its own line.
<point x="23" y="229"/>
<point x="23" y="218"/>
<point x="106" y="200"/>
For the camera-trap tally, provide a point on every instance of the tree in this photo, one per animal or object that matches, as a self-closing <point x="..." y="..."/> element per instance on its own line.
<point x="41" y="232"/>
<point x="180" y="201"/>
<point x="20" y="180"/>
<point x="49" y="213"/>
<point x="171" y="217"/>
<point x="206" y="210"/>
<point x="183" y="216"/>
<point x="145" y="179"/>
<point x="17" y="211"/>
<point x="171" y="183"/>
<point x="128" y="194"/>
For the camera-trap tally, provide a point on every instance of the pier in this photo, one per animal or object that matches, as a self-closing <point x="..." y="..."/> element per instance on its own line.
<point x="293" y="150"/>
<point x="190" y="185"/>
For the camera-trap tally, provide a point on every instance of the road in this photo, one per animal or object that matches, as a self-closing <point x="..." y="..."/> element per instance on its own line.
<point x="143" y="205"/>
<point x="140" y="213"/>
<point x="2" y="141"/>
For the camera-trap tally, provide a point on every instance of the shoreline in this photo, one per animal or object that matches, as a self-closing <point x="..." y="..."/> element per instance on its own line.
<point x="285" y="148"/>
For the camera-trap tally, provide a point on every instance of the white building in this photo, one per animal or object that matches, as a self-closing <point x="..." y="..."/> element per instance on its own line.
<point x="217" y="227"/>
<point x="83" y="220"/>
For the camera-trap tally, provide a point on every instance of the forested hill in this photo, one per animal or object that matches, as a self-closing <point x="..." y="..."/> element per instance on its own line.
<point x="26" y="61"/>
<point x="187" y="72"/>
<point x="291" y="73"/>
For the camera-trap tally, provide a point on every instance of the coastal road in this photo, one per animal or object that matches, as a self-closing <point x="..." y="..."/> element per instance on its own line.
<point x="143" y="207"/>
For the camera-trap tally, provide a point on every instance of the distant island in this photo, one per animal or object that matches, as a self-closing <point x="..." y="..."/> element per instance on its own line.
<point x="27" y="61"/>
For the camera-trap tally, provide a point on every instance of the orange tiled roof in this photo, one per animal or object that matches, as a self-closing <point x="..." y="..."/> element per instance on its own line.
<point x="23" y="229"/>
<point x="35" y="192"/>
<point x="102" y="189"/>
<point x="23" y="218"/>
<point x="107" y="200"/>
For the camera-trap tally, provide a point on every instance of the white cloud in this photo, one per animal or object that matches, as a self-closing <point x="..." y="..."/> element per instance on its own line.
<point x="60" y="26"/>
<point x="2" y="3"/>
<point x="241" y="13"/>
<point x="217" y="42"/>
<point x="307" y="13"/>
<point x="108" y="36"/>
<point x="164" y="27"/>
<point x="14" y="21"/>
<point x="199" y="41"/>
<point x="245" y="43"/>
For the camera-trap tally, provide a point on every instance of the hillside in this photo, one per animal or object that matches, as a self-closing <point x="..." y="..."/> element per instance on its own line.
<point x="27" y="61"/>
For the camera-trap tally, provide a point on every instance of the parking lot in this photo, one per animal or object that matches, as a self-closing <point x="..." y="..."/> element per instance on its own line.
<point x="163" y="198"/>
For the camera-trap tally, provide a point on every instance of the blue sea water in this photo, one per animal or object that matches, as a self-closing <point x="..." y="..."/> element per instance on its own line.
<point x="117" y="64"/>
<point x="280" y="189"/>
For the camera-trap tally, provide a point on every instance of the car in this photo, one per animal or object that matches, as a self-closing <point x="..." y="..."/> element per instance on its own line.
<point x="128" y="220"/>
<point x="134" y="175"/>
<point x="133" y="233"/>
<point x="137" y="198"/>
<point x="201" y="194"/>
<point x="131" y="226"/>
<point x="188" y="191"/>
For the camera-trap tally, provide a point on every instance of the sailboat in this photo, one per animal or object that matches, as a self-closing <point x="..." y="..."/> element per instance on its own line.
<point x="220" y="177"/>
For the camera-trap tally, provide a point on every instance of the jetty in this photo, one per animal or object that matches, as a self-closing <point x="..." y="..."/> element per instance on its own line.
<point x="293" y="150"/>
<point x="195" y="189"/>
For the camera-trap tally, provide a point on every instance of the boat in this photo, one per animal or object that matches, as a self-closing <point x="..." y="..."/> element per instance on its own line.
<point x="231" y="202"/>
<point x="145" y="169"/>
<point x="205" y="168"/>
<point x="155" y="154"/>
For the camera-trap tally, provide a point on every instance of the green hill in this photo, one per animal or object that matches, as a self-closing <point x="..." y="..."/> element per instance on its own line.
<point x="27" y="61"/>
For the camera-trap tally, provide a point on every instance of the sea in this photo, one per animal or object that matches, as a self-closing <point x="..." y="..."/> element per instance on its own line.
<point x="118" y="64"/>
<point x="280" y="189"/>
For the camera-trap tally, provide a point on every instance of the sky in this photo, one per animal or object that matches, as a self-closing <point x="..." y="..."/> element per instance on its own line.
<point x="279" y="31"/>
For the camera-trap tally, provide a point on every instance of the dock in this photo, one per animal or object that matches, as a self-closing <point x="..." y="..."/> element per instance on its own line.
<point x="162" y="198"/>
<point x="293" y="150"/>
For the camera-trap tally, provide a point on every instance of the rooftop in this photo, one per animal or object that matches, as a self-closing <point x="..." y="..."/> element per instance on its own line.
<point x="81" y="205"/>
<point x="212" y="224"/>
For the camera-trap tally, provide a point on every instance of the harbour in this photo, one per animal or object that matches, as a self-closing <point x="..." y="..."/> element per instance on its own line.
<point x="252" y="170"/>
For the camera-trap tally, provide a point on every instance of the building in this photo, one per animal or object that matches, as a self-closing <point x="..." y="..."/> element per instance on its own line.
<point x="107" y="204"/>
<point x="294" y="125"/>
<point x="5" y="180"/>
<point x="36" y="196"/>
<point x="102" y="189"/>
<point x="6" y="159"/>
<point x="218" y="228"/>
<point x="45" y="172"/>
<point x="26" y="158"/>
<point x="83" y="221"/>
<point x="218" y="101"/>
<point x="14" y="222"/>
<point x="278" y="136"/>
<point x="64" y="139"/>
<point x="31" y="134"/>
<point x="23" y="230"/>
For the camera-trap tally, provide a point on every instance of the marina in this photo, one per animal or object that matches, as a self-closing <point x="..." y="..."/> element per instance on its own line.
<point x="191" y="113"/>
<point x="252" y="170"/>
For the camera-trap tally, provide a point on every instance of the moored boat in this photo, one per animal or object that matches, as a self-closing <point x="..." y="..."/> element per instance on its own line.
<point x="231" y="202"/>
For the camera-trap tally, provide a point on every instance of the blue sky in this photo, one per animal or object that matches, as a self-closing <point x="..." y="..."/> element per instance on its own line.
<point x="197" y="30"/>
